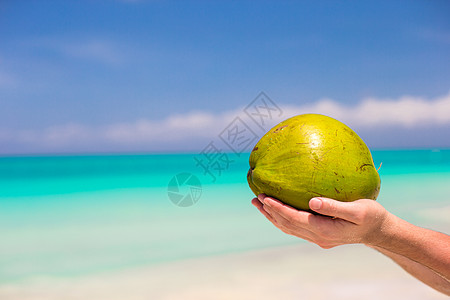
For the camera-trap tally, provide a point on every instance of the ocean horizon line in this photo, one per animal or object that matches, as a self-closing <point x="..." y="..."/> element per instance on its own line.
<point x="170" y="152"/>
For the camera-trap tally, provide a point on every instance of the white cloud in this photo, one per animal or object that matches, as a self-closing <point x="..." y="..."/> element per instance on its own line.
<point x="173" y="128"/>
<point x="406" y="111"/>
<point x="374" y="114"/>
<point x="66" y="134"/>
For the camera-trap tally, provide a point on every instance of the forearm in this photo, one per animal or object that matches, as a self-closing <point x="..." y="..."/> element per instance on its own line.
<point x="426" y="247"/>
<point x="423" y="253"/>
<point x="421" y="272"/>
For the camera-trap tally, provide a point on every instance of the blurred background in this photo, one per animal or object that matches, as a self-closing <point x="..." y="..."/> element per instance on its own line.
<point x="105" y="106"/>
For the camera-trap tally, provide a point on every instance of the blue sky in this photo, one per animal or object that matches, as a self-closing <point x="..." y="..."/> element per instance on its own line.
<point x="75" y="73"/>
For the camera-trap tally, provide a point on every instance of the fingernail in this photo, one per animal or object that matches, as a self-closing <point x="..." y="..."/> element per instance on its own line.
<point x="261" y="197"/>
<point x="267" y="202"/>
<point x="315" y="203"/>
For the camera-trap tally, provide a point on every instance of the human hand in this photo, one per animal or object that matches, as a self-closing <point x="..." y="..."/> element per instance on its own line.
<point x="360" y="221"/>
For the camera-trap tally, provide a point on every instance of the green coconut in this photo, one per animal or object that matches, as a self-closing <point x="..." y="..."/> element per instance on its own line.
<point x="310" y="156"/>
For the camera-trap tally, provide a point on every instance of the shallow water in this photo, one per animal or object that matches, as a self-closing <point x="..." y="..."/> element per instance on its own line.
<point x="74" y="215"/>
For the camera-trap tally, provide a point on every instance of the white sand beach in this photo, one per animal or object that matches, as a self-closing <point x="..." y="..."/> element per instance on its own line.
<point x="302" y="271"/>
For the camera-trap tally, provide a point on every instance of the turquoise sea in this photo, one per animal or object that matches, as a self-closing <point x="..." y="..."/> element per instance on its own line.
<point x="64" y="216"/>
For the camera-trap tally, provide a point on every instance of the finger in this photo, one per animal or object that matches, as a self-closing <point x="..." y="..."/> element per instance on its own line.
<point x="253" y="201"/>
<point x="260" y="207"/>
<point x="301" y="218"/>
<point x="292" y="227"/>
<point x="291" y="220"/>
<point x="330" y="207"/>
<point x="256" y="203"/>
<point x="266" y="207"/>
<point x="281" y="221"/>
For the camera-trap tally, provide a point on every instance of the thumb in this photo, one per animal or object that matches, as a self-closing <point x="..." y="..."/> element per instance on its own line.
<point x="343" y="210"/>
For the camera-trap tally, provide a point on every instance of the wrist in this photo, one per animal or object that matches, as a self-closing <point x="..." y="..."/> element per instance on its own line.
<point x="384" y="231"/>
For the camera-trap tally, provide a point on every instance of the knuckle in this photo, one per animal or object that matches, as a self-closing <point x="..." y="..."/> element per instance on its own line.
<point x="361" y="216"/>
<point x="332" y="207"/>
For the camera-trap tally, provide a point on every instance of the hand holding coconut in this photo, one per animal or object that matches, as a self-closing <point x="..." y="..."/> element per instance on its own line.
<point x="317" y="157"/>
<point x="423" y="253"/>
<point x="354" y="222"/>
<point x="314" y="178"/>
